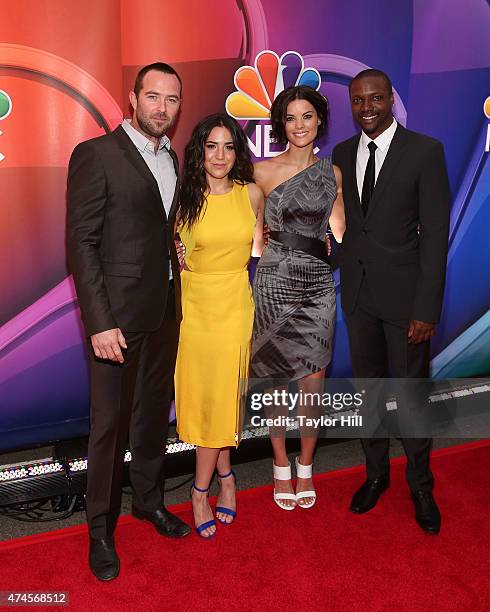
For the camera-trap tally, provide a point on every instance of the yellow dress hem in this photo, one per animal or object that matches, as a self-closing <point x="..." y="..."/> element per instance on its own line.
<point x="207" y="443"/>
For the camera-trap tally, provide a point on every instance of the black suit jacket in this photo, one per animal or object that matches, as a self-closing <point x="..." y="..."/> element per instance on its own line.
<point x="402" y="241"/>
<point x="119" y="239"/>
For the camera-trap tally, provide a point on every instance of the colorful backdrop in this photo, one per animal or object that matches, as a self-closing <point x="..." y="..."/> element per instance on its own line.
<point x="65" y="72"/>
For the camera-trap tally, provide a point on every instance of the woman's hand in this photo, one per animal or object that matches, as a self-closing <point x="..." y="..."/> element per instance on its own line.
<point x="180" y="248"/>
<point x="266" y="234"/>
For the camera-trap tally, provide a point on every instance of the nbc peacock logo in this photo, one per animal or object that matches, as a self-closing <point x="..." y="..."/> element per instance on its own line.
<point x="5" y="110"/>
<point x="486" y="110"/>
<point x="257" y="87"/>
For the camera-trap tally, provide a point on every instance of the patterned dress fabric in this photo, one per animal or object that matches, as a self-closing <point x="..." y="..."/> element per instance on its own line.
<point x="294" y="292"/>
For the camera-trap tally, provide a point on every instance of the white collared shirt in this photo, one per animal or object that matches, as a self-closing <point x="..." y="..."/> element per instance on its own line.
<point x="382" y="142"/>
<point x="160" y="164"/>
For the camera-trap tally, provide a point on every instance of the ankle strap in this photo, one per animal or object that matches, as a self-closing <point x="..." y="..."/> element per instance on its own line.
<point x="303" y="471"/>
<point x="281" y="472"/>
<point x="230" y="473"/>
<point x="198" y="489"/>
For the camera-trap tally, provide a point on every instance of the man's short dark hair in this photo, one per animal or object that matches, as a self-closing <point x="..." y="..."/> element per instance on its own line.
<point x="280" y="105"/>
<point x="373" y="72"/>
<point x="160" y="67"/>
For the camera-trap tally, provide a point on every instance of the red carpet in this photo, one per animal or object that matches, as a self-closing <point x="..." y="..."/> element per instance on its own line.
<point x="320" y="559"/>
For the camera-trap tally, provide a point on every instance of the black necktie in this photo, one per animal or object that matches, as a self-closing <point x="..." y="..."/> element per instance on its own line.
<point x="369" y="178"/>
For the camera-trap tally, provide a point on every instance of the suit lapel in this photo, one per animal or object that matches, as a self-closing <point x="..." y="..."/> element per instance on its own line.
<point x="136" y="160"/>
<point x="395" y="152"/>
<point x="175" y="201"/>
<point x="351" y="179"/>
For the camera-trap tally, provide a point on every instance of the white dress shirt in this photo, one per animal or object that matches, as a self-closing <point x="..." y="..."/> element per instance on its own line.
<point x="160" y="164"/>
<point x="382" y="142"/>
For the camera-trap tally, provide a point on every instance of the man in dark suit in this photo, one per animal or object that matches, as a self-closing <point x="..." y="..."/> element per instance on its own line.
<point x="393" y="263"/>
<point x="122" y="201"/>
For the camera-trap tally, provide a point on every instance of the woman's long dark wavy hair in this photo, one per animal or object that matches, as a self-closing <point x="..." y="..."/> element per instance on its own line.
<point x="194" y="182"/>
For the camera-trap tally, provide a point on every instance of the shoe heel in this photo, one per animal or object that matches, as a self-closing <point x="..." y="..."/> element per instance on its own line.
<point x="137" y="514"/>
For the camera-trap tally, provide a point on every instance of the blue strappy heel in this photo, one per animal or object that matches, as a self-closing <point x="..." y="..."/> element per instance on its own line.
<point x="222" y="509"/>
<point x="200" y="528"/>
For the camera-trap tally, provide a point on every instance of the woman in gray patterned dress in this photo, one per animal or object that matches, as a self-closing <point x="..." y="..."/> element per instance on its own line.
<point x="294" y="290"/>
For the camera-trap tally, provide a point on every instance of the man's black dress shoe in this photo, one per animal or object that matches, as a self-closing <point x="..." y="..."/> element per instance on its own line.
<point x="103" y="559"/>
<point x="165" y="522"/>
<point x="366" y="497"/>
<point x="427" y="513"/>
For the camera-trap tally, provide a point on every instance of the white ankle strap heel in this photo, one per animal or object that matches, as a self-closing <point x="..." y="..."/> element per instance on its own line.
<point x="304" y="471"/>
<point x="283" y="473"/>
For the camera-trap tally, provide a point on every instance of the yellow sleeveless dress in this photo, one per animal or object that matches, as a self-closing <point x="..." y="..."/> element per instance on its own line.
<point x="216" y="328"/>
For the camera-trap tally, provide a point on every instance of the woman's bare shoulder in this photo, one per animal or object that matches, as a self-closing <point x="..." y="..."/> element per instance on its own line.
<point x="254" y="190"/>
<point x="262" y="168"/>
<point x="268" y="170"/>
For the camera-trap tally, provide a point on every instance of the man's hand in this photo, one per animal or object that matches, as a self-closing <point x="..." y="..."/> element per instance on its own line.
<point x="107" y="345"/>
<point x="329" y="246"/>
<point x="180" y="248"/>
<point x="419" y="331"/>
<point x="266" y="234"/>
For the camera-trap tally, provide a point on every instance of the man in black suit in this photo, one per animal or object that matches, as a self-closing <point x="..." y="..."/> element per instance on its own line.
<point x="122" y="202"/>
<point x="393" y="263"/>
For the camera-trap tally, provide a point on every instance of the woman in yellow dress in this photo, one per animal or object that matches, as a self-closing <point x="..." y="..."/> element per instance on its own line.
<point x="220" y="215"/>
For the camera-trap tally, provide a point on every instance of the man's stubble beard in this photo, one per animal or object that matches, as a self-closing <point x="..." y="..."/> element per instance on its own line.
<point x="149" y="128"/>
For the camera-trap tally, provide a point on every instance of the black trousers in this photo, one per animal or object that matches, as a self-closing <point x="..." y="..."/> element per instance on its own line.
<point x="130" y="405"/>
<point x="379" y="348"/>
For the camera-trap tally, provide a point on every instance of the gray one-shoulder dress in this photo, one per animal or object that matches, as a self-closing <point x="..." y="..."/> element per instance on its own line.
<point x="294" y="292"/>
